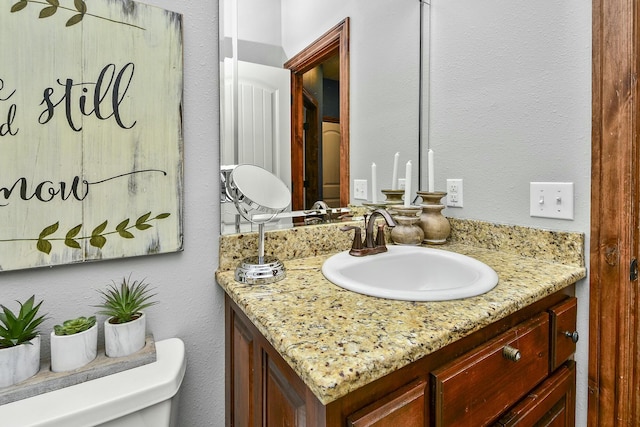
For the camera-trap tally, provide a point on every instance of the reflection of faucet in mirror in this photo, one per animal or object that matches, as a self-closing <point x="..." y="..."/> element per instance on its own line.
<point x="320" y="204"/>
<point x="321" y="213"/>
<point x="371" y="246"/>
<point x="258" y="196"/>
<point x="316" y="215"/>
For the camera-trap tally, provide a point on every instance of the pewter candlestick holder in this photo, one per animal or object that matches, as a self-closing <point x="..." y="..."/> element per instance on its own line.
<point x="407" y="230"/>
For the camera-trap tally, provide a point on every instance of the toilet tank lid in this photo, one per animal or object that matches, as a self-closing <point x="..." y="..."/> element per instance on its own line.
<point x="107" y="398"/>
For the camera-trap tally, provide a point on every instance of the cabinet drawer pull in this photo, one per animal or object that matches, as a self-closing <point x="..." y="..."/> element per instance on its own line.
<point x="572" y="335"/>
<point x="511" y="353"/>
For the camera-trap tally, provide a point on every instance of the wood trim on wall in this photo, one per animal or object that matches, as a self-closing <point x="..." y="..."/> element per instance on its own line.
<point x="614" y="387"/>
<point x="335" y="41"/>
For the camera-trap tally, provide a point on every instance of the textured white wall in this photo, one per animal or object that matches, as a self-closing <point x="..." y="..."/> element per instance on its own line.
<point x="191" y="304"/>
<point x="511" y="104"/>
<point x="260" y="21"/>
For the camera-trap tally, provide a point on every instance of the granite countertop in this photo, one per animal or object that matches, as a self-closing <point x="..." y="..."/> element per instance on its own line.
<point x="337" y="340"/>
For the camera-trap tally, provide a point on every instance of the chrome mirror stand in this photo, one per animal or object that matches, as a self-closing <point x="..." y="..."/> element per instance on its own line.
<point x="258" y="196"/>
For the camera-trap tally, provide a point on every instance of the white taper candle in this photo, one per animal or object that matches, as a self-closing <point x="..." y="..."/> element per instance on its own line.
<point x="407" y="185"/>
<point x="432" y="174"/>
<point x="394" y="177"/>
<point x="374" y="184"/>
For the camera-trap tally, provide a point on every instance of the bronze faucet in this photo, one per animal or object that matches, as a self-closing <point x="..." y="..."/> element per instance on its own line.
<point x="371" y="247"/>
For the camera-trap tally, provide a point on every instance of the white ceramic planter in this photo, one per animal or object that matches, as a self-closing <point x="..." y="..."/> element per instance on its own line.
<point x="69" y="352"/>
<point x="123" y="339"/>
<point x="20" y="362"/>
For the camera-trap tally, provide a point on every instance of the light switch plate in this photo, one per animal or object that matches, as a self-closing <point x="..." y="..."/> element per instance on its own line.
<point x="360" y="189"/>
<point x="551" y="199"/>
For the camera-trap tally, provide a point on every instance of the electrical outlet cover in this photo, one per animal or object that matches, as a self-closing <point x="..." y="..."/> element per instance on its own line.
<point x="454" y="193"/>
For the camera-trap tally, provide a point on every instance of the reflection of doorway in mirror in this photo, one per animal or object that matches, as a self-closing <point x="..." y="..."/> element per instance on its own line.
<point x="321" y="103"/>
<point x="331" y="163"/>
<point x="308" y="71"/>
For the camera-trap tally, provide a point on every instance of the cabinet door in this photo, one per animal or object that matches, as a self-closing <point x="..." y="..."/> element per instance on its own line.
<point x="282" y="405"/>
<point x="552" y="404"/>
<point x="262" y="390"/>
<point x="240" y="374"/>
<point x="404" y="407"/>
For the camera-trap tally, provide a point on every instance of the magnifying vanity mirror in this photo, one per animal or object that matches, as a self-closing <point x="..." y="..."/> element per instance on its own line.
<point x="380" y="99"/>
<point x="259" y="196"/>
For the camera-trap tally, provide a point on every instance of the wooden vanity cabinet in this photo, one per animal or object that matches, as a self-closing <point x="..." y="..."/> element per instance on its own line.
<point x="515" y="372"/>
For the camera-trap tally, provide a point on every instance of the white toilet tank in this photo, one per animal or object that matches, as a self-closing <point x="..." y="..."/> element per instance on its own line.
<point x="146" y="396"/>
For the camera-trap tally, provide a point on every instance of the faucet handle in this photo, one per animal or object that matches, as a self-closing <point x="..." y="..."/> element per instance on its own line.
<point x="380" y="237"/>
<point x="356" y="246"/>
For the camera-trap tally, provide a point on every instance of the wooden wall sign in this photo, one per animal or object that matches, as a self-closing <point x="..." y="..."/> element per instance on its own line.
<point x="91" y="148"/>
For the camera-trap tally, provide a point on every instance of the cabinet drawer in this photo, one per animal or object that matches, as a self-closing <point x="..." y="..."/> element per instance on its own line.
<point x="563" y="331"/>
<point x="551" y="404"/>
<point x="476" y="388"/>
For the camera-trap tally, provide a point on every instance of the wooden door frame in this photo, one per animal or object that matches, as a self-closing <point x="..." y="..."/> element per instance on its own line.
<point x="335" y="41"/>
<point x="614" y="388"/>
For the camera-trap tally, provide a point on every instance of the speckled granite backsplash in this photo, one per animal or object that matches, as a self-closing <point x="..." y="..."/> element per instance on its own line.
<point x="301" y="242"/>
<point x="298" y="242"/>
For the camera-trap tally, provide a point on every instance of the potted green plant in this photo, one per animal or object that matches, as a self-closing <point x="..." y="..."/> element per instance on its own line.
<point x="19" y="342"/>
<point x="74" y="343"/>
<point x="125" y="327"/>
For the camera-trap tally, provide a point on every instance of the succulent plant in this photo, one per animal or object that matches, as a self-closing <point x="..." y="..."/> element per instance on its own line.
<point x="16" y="329"/>
<point x="74" y="326"/>
<point x="123" y="303"/>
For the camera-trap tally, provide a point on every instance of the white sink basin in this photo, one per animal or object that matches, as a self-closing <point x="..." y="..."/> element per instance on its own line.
<point x="411" y="273"/>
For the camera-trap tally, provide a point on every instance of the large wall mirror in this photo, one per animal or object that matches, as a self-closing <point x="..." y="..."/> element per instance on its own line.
<point x="261" y="38"/>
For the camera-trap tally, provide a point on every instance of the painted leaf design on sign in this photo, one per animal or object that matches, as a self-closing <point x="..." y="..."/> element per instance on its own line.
<point x="44" y="245"/>
<point x="69" y="238"/>
<point x="98" y="241"/>
<point x="19" y="6"/>
<point x="97" y="238"/>
<point x="141" y="222"/>
<point x="74" y="19"/>
<point x="48" y="11"/>
<point x="47" y="231"/>
<point x="122" y="230"/>
<point x="80" y="5"/>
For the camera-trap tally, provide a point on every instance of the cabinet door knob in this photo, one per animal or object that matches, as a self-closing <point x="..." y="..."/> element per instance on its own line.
<point x="511" y="353"/>
<point x="572" y="335"/>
